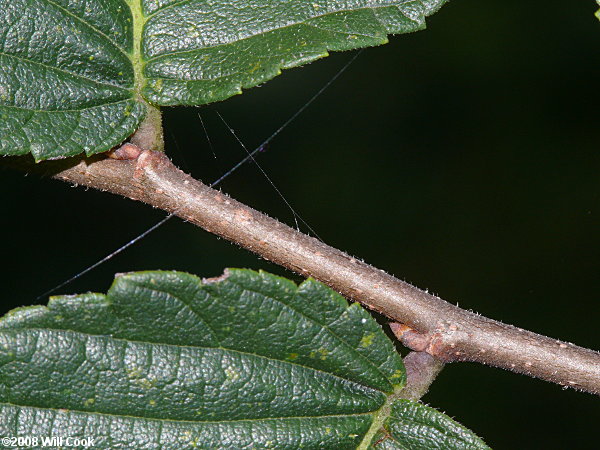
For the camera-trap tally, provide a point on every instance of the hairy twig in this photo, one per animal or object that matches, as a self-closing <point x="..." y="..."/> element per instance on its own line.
<point x="431" y="324"/>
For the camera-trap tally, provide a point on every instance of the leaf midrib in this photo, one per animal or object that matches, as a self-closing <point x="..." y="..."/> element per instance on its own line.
<point x="139" y="20"/>
<point x="379" y="418"/>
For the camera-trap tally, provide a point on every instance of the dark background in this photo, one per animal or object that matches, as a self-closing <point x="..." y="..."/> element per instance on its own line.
<point x="463" y="159"/>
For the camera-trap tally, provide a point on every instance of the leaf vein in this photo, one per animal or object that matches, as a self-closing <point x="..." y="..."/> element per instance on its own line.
<point x="58" y="111"/>
<point x="58" y="69"/>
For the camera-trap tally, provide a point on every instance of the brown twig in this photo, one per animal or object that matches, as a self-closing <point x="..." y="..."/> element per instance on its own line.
<point x="430" y="324"/>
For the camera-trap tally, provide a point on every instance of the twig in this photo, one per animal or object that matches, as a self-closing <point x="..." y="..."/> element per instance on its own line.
<point x="431" y="325"/>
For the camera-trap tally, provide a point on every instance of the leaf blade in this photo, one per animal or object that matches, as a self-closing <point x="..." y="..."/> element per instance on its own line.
<point x="169" y="360"/>
<point x="66" y="78"/>
<point x="121" y="356"/>
<point x="77" y="76"/>
<point x="196" y="55"/>
<point x="126" y="432"/>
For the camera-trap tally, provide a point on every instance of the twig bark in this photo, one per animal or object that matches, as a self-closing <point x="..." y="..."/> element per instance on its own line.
<point x="431" y="325"/>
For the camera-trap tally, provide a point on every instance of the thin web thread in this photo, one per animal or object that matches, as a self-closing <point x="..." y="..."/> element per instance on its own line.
<point x="290" y="120"/>
<point x="212" y="149"/>
<point x="218" y="181"/>
<point x="107" y="257"/>
<point x="295" y="214"/>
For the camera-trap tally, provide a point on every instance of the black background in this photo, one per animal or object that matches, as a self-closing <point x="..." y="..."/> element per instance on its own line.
<point x="463" y="159"/>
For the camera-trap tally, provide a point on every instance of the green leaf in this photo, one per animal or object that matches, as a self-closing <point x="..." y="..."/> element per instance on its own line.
<point x="75" y="76"/>
<point x="195" y="53"/>
<point x="167" y="360"/>
<point x="66" y="78"/>
<point x="412" y="425"/>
